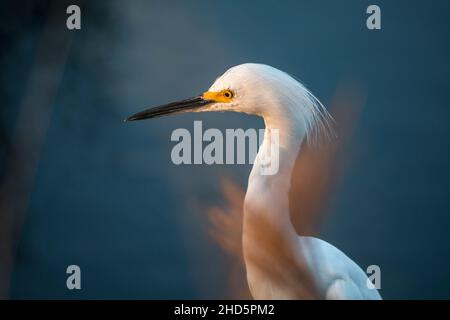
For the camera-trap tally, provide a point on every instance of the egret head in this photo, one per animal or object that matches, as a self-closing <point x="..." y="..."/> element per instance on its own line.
<point x="254" y="89"/>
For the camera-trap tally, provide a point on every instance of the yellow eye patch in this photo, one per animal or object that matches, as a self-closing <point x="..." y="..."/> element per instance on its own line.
<point x="223" y="96"/>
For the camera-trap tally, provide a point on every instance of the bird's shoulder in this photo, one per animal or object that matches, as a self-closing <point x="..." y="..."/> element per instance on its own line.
<point x="331" y="264"/>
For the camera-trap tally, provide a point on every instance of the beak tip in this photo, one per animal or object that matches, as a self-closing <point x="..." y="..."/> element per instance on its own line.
<point x="170" y="108"/>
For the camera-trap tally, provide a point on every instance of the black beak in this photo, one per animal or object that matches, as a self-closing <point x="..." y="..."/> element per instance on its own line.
<point x="171" y="108"/>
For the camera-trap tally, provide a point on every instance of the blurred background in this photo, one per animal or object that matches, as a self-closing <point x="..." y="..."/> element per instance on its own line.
<point x="79" y="186"/>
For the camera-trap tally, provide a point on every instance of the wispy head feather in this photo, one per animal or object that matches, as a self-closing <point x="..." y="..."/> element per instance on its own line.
<point x="319" y="122"/>
<point x="320" y="126"/>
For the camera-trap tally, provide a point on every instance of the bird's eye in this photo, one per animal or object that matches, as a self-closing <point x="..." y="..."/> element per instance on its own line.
<point x="228" y="94"/>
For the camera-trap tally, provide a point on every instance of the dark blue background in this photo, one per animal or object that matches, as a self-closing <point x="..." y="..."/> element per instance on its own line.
<point x="107" y="197"/>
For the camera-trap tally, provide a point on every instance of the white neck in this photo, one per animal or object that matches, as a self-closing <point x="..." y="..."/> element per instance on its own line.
<point x="267" y="195"/>
<point x="274" y="188"/>
<point x="269" y="238"/>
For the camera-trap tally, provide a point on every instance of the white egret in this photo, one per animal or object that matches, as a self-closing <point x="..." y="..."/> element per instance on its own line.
<point x="277" y="260"/>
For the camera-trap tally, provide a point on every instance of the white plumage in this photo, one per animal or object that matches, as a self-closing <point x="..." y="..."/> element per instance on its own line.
<point x="285" y="104"/>
<point x="279" y="263"/>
